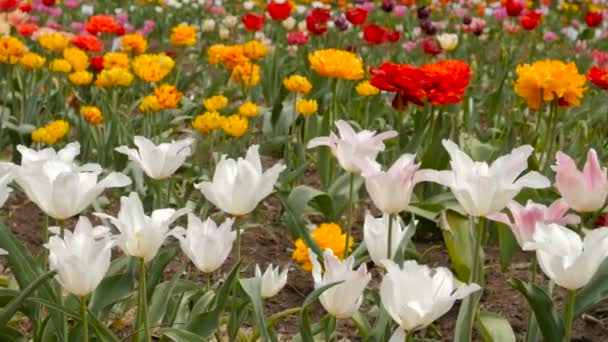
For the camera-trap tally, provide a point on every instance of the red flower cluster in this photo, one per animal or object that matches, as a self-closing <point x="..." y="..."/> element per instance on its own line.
<point x="103" y="24"/>
<point x="593" y="19"/>
<point x="279" y="11"/>
<point x="356" y="16"/>
<point x="599" y="77"/>
<point x="440" y="83"/>
<point x="531" y="20"/>
<point x="376" y="35"/>
<point x="316" y="21"/>
<point x="297" y="38"/>
<point x="87" y="42"/>
<point x="97" y="63"/>
<point x="514" y="8"/>
<point x="253" y="22"/>
<point x="27" y="30"/>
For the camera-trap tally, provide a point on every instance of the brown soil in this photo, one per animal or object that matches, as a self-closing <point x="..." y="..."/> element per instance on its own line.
<point x="269" y="242"/>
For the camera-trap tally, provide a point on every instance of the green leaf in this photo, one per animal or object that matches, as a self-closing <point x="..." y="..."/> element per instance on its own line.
<point x="111" y="290"/>
<point x="305" y="325"/>
<point x="160" y="298"/>
<point x="8" y="312"/>
<point x="456" y="231"/>
<point x="549" y="321"/>
<point x="339" y="192"/>
<point x="154" y="273"/>
<point x="300" y="229"/>
<point x="381" y="324"/>
<point x="507" y="244"/>
<point x="253" y="289"/>
<point x="10" y="334"/>
<point x="363" y="326"/>
<point x="494" y="328"/>
<point x="302" y="201"/>
<point x="594" y="293"/>
<point x="181" y="335"/>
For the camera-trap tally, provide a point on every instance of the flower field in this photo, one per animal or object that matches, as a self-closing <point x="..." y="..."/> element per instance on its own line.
<point x="271" y="170"/>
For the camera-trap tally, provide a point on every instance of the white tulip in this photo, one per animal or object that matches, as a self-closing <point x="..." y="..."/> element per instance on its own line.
<point x="208" y="25"/>
<point x="82" y="258"/>
<point x="564" y="258"/>
<point x="344" y="299"/>
<point x="140" y="235"/>
<point x="375" y="235"/>
<point x="6" y="176"/>
<point x="224" y="33"/>
<point x="415" y="295"/>
<point x="483" y="189"/>
<point x="239" y="185"/>
<point x="206" y="245"/>
<point x="391" y="190"/>
<point x="352" y="148"/>
<point x="272" y="280"/>
<point x="158" y="161"/>
<point x="448" y="41"/>
<point x="58" y="186"/>
<point x="289" y="23"/>
<point x="230" y="21"/>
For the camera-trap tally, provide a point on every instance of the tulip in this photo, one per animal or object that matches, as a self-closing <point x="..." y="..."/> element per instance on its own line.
<point x="140" y="235"/>
<point x="344" y="299"/>
<point x="206" y="245"/>
<point x="415" y="295"/>
<point x="526" y="218"/>
<point x="57" y="185"/>
<point x="82" y="258"/>
<point x="239" y="185"/>
<point x="376" y="234"/>
<point x="352" y="148"/>
<point x="6" y="176"/>
<point x="448" y="41"/>
<point x="483" y="189"/>
<point x="391" y="190"/>
<point x="584" y="191"/>
<point x="272" y="280"/>
<point x="158" y="161"/>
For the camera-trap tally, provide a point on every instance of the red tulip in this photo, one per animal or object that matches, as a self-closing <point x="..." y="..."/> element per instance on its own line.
<point x="531" y="20"/>
<point x="97" y="63"/>
<point x="316" y="21"/>
<point x="25" y="7"/>
<point x="430" y="47"/>
<point x="253" y="22"/>
<point x="49" y="2"/>
<point x="297" y="38"/>
<point x="27" y="29"/>
<point x="394" y="36"/>
<point x="6" y="5"/>
<point x="514" y="8"/>
<point x="593" y="19"/>
<point x="356" y="16"/>
<point x="279" y="11"/>
<point x="374" y="34"/>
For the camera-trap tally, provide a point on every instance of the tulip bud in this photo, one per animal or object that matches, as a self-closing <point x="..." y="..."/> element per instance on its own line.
<point x="272" y="280"/>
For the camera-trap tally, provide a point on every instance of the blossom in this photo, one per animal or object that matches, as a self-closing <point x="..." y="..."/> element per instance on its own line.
<point x="254" y="49"/>
<point x="316" y="21"/>
<point x="115" y="77"/>
<point x="102" y="24"/>
<point x="408" y="82"/>
<point x="168" y="96"/>
<point x="483" y="189"/>
<point x="152" y="67"/>
<point x="297" y="38"/>
<point x="448" y="41"/>
<point x="134" y="42"/>
<point x="115" y="60"/>
<point x="53" y="42"/>
<point x="11" y="50"/>
<point x="235" y="125"/>
<point x="307" y="107"/>
<point x="356" y="15"/>
<point x="80" y="78"/>
<point x="279" y="10"/>
<point x="526" y="218"/>
<point x="239" y="185"/>
<point x="51" y="133"/>
<point x="158" y="161"/>
<point x="599" y="77"/>
<point x="6" y="177"/>
<point x="566" y="259"/>
<point x="149" y="104"/>
<point x="32" y="61"/>
<point x="448" y="81"/>
<point x="344" y="299"/>
<point x="514" y="7"/>
<point x="249" y="110"/>
<point x="78" y="59"/>
<point x="92" y="114"/>
<point x="593" y="19"/>
<point x="87" y="42"/>
<point x="272" y="280"/>
<point x="208" y="122"/>
<point x="247" y="74"/>
<point x="351" y="148"/>
<point x="326" y="236"/>
<point x="531" y="20"/>
<point x="253" y="22"/>
<point x="297" y="84"/>
<point x="206" y="245"/>
<point x="584" y="191"/>
<point x="183" y="35"/>
<point x="365" y="88"/>
<point x="375" y="235"/>
<point x="82" y="258"/>
<point x="215" y="103"/>
<point x="60" y="65"/>
<point x="549" y="80"/>
<point x="337" y="64"/>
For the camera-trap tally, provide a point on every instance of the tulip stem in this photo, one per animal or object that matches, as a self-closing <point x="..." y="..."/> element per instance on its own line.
<point x="409" y="336"/>
<point x="238" y="240"/>
<point x="208" y="275"/>
<point x="350" y="213"/>
<point x="66" y="330"/>
<point x="569" y="314"/>
<point x="143" y="299"/>
<point x="85" y="319"/>
<point x="389" y="252"/>
<point x="531" y="317"/>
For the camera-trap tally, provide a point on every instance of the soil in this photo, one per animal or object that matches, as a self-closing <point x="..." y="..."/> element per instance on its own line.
<point x="270" y="242"/>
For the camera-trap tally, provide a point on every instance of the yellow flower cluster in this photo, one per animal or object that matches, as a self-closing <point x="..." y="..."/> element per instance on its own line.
<point x="327" y="235"/>
<point x="249" y="110"/>
<point x="32" y="61"/>
<point x="307" y="107"/>
<point x="228" y="55"/>
<point x="235" y="125"/>
<point x="80" y="78"/>
<point x="183" y="35"/>
<point x="11" y="50"/>
<point x="116" y="60"/>
<point x="78" y="59"/>
<point x="153" y="67"/>
<point x="55" y="42"/>
<point x="335" y="63"/>
<point x="366" y="89"/>
<point x="149" y="104"/>
<point x="115" y="77"/>
<point x="92" y="114"/>
<point x="215" y="103"/>
<point x="168" y="96"/>
<point x="52" y="132"/>
<point x="134" y="42"/>
<point x="254" y="49"/>
<point x="208" y="122"/>
<point x="60" y="65"/>
<point x="297" y="84"/>
<point x="247" y="74"/>
<point x="549" y="80"/>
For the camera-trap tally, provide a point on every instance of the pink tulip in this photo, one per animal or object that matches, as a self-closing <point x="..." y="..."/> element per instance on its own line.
<point x="399" y="11"/>
<point x="550" y="37"/>
<point x="500" y="14"/>
<point x="584" y="191"/>
<point x="526" y="218"/>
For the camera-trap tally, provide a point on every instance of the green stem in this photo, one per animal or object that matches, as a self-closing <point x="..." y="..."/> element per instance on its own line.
<point x="238" y="239"/>
<point x="409" y="337"/>
<point x="61" y="302"/>
<point x="208" y="276"/>
<point x="143" y="299"/>
<point x="569" y="315"/>
<point x="389" y="252"/>
<point x="350" y="213"/>
<point x="45" y="239"/>
<point x="531" y="317"/>
<point x="85" y="319"/>
<point x="477" y="271"/>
